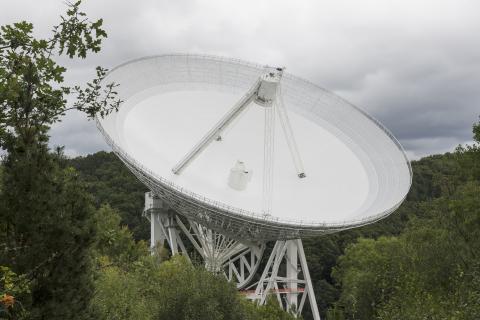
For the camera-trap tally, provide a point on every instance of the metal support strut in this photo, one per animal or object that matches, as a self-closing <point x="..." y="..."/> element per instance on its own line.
<point x="292" y="286"/>
<point x="216" y="131"/>
<point x="266" y="91"/>
<point x="238" y="260"/>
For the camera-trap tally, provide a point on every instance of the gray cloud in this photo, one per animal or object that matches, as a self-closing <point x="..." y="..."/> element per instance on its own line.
<point x="413" y="65"/>
<point x="78" y="135"/>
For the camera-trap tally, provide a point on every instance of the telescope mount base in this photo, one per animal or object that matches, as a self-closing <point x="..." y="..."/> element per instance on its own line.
<point x="238" y="260"/>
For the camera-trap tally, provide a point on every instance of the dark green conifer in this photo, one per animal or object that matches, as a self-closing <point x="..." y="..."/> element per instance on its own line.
<point x="46" y="215"/>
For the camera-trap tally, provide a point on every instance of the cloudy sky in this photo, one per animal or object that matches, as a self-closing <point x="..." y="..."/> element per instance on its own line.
<point x="414" y="65"/>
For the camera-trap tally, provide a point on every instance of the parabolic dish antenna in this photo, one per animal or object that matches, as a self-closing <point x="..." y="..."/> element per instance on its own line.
<point x="245" y="154"/>
<point x="201" y="132"/>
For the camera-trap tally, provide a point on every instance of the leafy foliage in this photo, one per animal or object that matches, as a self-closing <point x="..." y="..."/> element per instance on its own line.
<point x="31" y="95"/>
<point x="131" y="284"/>
<point x="46" y="217"/>
<point x="115" y="241"/>
<point x="174" y="289"/>
<point x="12" y="286"/>
<point x="48" y="229"/>
<point x="109" y="181"/>
<point x="431" y="269"/>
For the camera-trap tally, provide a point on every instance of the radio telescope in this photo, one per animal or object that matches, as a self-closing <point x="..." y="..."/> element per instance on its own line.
<point x="238" y="154"/>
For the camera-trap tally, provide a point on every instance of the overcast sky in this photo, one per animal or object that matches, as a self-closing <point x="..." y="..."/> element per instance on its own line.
<point x="414" y="65"/>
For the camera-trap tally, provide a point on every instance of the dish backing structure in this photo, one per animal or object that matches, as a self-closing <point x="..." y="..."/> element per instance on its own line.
<point x="237" y="154"/>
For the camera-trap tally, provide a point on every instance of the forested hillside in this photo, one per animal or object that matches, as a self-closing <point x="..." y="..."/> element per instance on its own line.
<point x="109" y="181"/>
<point x="420" y="262"/>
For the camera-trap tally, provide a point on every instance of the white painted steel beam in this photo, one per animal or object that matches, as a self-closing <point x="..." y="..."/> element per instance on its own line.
<point x="217" y="130"/>
<point x="292" y="273"/>
<point x="289" y="136"/>
<point x="238" y="260"/>
<point x="290" y="286"/>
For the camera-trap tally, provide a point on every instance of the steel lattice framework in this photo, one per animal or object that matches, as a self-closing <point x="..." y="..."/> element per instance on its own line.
<point x="230" y="238"/>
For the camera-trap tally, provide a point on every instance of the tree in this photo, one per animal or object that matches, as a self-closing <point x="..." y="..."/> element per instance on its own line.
<point x="188" y="292"/>
<point x="174" y="289"/>
<point x="431" y="271"/>
<point x="109" y="181"/>
<point x="49" y="232"/>
<point x="12" y="286"/>
<point x="120" y="296"/>
<point x="369" y="272"/>
<point x="47" y="217"/>
<point x="469" y="156"/>
<point x="115" y="242"/>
